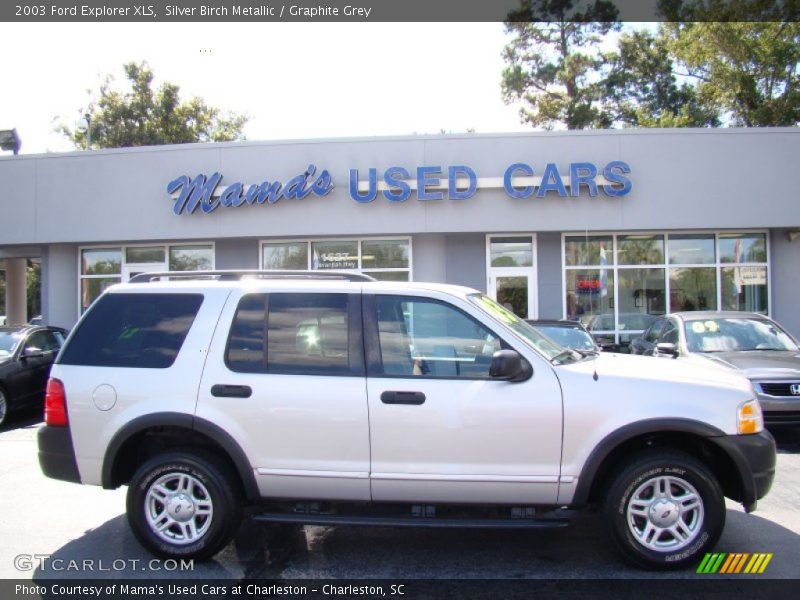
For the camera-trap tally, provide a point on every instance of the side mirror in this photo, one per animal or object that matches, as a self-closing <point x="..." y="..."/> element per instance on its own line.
<point x="667" y="348"/>
<point x="32" y="352"/>
<point x="508" y="365"/>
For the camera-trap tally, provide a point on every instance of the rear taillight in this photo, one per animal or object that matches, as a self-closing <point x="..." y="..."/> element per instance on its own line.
<point x="55" y="404"/>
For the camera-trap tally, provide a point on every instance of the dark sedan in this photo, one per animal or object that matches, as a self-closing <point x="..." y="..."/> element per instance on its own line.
<point x="26" y="354"/>
<point x="753" y="343"/>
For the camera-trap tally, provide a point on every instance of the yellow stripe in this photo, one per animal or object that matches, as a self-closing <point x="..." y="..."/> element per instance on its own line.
<point x="765" y="563"/>
<point x="749" y="566"/>
<point x="758" y="562"/>
<point x="741" y="562"/>
<point x="727" y="563"/>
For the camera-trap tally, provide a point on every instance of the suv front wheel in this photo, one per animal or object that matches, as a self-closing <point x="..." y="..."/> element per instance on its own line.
<point x="665" y="510"/>
<point x="184" y="504"/>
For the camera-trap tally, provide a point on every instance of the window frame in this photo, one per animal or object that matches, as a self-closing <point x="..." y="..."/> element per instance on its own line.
<point x="372" y="341"/>
<point x="123" y="263"/>
<point x="358" y="239"/>
<point x="355" y="345"/>
<point x="613" y="265"/>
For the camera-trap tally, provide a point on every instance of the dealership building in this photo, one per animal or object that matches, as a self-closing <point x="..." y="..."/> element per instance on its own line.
<point x="611" y="227"/>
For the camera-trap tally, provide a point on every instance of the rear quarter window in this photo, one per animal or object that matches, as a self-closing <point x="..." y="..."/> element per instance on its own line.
<point x="144" y="331"/>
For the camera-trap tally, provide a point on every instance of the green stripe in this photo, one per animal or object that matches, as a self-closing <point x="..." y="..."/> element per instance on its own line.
<point x="702" y="566"/>
<point x="717" y="564"/>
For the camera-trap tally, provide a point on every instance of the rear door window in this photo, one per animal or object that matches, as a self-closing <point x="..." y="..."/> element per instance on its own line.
<point x="296" y="334"/>
<point x="143" y="331"/>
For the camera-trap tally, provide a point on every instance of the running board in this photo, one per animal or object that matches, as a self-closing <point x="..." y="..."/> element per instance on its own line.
<point x="316" y="519"/>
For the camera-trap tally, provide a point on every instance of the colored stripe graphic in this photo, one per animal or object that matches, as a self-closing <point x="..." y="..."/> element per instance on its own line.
<point x="724" y="563"/>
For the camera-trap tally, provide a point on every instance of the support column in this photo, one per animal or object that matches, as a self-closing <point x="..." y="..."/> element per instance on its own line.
<point x="16" y="291"/>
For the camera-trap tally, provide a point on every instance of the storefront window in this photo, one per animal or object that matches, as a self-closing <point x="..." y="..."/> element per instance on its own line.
<point x="744" y="288"/>
<point x="285" y="256"/>
<point x="590" y="297"/>
<point x="675" y="279"/>
<point x="334" y="255"/>
<point x="102" y="267"/>
<point x="383" y="259"/>
<point x="91" y="288"/>
<point x="642" y="291"/>
<point x="191" y="258"/>
<point x="693" y="288"/>
<point x="640" y="249"/>
<point x="691" y="249"/>
<point x="101" y="261"/>
<point x="588" y="250"/>
<point x="511" y="251"/>
<point x="384" y="254"/>
<point x="145" y="254"/>
<point x="740" y="248"/>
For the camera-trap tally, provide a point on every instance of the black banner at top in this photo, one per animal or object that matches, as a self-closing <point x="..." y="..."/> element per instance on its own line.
<point x="397" y="10"/>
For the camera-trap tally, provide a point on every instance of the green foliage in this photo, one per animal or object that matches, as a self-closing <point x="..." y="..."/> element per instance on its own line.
<point x="644" y="91"/>
<point x="747" y="70"/>
<point x="554" y="67"/>
<point x="141" y="116"/>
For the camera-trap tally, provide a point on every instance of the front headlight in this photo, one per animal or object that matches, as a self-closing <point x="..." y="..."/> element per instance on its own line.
<point x="749" y="418"/>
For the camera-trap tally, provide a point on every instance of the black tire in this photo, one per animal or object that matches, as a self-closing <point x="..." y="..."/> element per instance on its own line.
<point x="648" y="541"/>
<point x="206" y="482"/>
<point x="5" y="408"/>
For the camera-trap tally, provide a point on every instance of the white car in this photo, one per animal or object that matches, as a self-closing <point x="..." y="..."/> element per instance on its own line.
<point x="331" y="398"/>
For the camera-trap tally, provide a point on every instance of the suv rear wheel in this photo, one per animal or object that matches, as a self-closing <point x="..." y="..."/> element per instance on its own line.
<point x="665" y="510"/>
<point x="184" y="504"/>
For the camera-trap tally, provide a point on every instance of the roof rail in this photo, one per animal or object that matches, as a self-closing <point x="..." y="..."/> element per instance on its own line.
<point x="238" y="275"/>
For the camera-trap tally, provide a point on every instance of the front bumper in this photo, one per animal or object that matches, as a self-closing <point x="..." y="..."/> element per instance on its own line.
<point x="754" y="458"/>
<point x="57" y="455"/>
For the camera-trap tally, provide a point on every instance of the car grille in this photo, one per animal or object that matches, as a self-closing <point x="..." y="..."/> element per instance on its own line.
<point x="778" y="389"/>
<point x="782" y="417"/>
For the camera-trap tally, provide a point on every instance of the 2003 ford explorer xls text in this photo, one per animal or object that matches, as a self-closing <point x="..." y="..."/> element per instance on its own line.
<point x="331" y="398"/>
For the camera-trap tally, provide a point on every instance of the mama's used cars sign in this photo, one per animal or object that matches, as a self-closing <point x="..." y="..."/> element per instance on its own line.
<point x="396" y="184"/>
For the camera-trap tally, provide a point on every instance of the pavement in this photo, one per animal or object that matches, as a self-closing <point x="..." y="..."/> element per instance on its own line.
<point x="53" y="529"/>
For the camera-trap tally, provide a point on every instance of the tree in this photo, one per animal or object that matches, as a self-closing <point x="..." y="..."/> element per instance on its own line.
<point x="644" y="91"/>
<point x="141" y="116"/>
<point x="747" y="70"/>
<point x="555" y="67"/>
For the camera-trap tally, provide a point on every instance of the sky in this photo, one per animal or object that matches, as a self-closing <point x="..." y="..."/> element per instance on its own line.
<point x="294" y="80"/>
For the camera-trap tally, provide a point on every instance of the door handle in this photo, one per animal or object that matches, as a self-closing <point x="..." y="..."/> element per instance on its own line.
<point x="222" y="390"/>
<point x="415" y="398"/>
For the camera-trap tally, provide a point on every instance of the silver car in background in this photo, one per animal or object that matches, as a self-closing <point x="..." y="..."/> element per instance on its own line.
<point x="755" y="344"/>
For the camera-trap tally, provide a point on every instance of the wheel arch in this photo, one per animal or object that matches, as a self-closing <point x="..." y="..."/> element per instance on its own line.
<point x="147" y="435"/>
<point x="685" y="435"/>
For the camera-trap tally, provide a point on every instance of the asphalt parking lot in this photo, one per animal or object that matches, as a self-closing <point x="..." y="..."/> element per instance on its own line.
<point x="51" y="529"/>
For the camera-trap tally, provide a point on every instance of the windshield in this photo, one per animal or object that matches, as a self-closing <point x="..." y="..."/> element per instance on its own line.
<point x="731" y="334"/>
<point x="571" y="337"/>
<point x="540" y="342"/>
<point x="8" y="342"/>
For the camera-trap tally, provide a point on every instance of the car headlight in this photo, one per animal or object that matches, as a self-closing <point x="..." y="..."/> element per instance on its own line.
<point x="749" y="418"/>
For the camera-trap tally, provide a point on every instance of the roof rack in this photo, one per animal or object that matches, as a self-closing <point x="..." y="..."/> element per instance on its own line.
<point x="238" y="275"/>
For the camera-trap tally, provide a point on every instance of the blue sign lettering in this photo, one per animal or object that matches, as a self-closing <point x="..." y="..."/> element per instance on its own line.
<point x="395" y="178"/>
<point x="551" y="182"/>
<point x="452" y="188"/>
<point x="461" y="183"/>
<point x="202" y="191"/>
<point x="526" y="170"/>
<point x="426" y="176"/>
<point x="371" y="192"/>
<point x="612" y="174"/>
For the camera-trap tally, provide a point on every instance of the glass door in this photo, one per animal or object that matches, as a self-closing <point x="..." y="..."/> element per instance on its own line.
<point x="511" y="272"/>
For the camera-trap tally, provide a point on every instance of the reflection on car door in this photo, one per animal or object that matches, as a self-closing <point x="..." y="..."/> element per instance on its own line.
<point x="288" y="384"/>
<point x="441" y="429"/>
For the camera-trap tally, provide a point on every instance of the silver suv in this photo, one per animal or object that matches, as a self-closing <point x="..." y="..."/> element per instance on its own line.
<point x="331" y="398"/>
